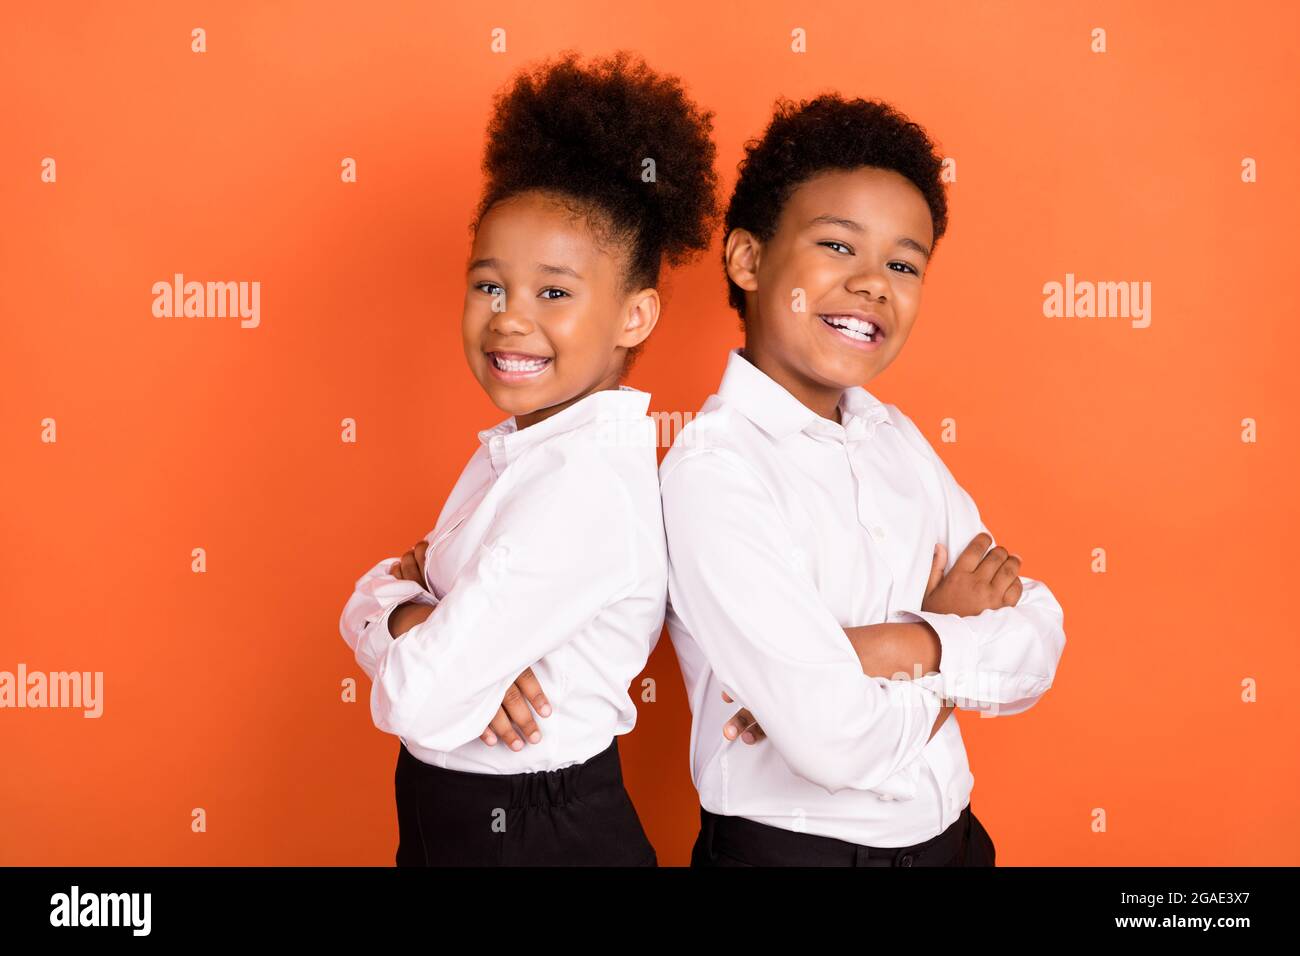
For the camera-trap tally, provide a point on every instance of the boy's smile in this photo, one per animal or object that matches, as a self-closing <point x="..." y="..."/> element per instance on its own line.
<point x="832" y="295"/>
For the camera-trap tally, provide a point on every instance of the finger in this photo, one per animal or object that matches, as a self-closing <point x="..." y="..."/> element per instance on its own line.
<point x="937" y="564"/>
<point x="747" y="724"/>
<point x="726" y="698"/>
<point x="532" y="689"/>
<point x="732" y="728"/>
<point x="970" y="557"/>
<point x="395" y="569"/>
<point x="505" y="730"/>
<point x="410" y="571"/>
<point x="516" y="705"/>
<point x="421" y="550"/>
<point x="1009" y="571"/>
<point x="751" y="732"/>
<point x="992" y="561"/>
<point x="489" y="736"/>
<point x="1012" y="597"/>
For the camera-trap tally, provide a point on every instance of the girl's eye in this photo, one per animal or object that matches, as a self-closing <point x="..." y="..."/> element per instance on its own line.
<point x="832" y="242"/>
<point x="545" y="294"/>
<point x="908" y="266"/>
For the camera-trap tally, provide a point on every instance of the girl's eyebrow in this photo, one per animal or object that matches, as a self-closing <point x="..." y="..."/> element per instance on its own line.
<point x="905" y="241"/>
<point x="541" y="267"/>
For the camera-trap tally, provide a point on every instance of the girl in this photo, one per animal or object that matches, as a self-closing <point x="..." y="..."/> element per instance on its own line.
<point x="541" y="590"/>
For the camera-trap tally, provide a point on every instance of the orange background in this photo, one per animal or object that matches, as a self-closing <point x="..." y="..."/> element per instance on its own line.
<point x="222" y="690"/>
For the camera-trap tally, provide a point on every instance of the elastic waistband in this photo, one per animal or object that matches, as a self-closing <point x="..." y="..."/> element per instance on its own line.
<point x="763" y="845"/>
<point x="540" y="788"/>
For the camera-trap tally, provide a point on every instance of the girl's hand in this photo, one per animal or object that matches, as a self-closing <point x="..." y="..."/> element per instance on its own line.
<point x="977" y="582"/>
<point x="515" y="707"/>
<point x="410" y="566"/>
<point x="406" y="616"/>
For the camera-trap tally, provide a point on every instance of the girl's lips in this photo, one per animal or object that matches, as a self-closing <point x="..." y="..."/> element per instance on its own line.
<point x="522" y="367"/>
<point x="860" y="344"/>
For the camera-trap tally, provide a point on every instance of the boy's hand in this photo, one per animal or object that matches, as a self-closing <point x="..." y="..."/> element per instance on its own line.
<point x="515" y="707"/>
<point x="410" y="566"/>
<point x="977" y="582"/>
<point x="742" y="725"/>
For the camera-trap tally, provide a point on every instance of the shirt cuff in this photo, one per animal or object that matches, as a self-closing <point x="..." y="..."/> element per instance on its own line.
<point x="958" y="656"/>
<point x="376" y="638"/>
<point x="902" y="785"/>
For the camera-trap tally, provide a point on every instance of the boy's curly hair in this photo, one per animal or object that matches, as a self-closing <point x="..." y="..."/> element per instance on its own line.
<point x="826" y="133"/>
<point x="584" y="132"/>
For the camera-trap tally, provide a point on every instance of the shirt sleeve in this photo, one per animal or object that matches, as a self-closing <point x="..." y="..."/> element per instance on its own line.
<point x="364" y="621"/>
<point x="734" y="581"/>
<point x="1001" y="661"/>
<point x="559" y="550"/>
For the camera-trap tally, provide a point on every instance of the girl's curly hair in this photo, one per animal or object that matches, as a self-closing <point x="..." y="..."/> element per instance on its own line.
<point x="585" y="131"/>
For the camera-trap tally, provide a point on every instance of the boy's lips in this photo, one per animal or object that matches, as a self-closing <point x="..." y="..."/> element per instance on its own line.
<point x="862" y="330"/>
<point x="517" y="366"/>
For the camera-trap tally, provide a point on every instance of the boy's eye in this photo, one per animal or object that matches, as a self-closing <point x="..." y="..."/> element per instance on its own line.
<point x="488" y="287"/>
<point x="546" y="295"/>
<point x="833" y="242"/>
<point x="907" y="266"/>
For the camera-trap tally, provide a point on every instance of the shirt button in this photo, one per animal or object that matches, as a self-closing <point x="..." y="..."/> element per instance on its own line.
<point x="905" y="860"/>
<point x="878" y="533"/>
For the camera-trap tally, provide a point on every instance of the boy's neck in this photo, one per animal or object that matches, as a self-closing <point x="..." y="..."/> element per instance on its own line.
<point x="822" y="399"/>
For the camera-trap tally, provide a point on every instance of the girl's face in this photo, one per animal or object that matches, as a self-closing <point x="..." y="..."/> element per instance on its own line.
<point x="850" y="247"/>
<point x="546" y="321"/>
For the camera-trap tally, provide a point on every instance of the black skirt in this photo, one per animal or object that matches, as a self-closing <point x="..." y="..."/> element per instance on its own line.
<point x="579" y="815"/>
<point x="736" y="841"/>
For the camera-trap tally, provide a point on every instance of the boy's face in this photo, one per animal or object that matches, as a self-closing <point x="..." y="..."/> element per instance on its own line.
<point x="566" y="324"/>
<point x="849" y="239"/>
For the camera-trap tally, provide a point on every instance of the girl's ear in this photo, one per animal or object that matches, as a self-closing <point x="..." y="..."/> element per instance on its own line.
<point x="741" y="255"/>
<point x="641" y="318"/>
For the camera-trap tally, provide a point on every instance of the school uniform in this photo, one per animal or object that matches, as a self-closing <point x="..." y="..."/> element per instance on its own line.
<point x="784" y="528"/>
<point x="549" y="553"/>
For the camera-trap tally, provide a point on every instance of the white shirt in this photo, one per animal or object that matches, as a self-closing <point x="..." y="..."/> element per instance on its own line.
<point x="549" y="553"/>
<point x="783" y="529"/>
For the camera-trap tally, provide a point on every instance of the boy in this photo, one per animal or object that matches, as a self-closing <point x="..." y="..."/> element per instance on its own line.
<point x="809" y="527"/>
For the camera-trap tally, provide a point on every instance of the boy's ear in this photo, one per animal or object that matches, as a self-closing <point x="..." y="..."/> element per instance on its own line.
<point x="742" y="252"/>
<point x="642" y="317"/>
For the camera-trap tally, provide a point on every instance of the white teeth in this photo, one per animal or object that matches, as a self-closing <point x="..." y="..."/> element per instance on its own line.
<point x="851" y="327"/>
<point x="519" y="365"/>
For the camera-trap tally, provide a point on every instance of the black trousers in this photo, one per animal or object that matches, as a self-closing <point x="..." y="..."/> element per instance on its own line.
<point x="736" y="841"/>
<point x="579" y="815"/>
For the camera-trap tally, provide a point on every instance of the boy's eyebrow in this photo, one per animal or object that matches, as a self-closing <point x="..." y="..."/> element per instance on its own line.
<point x="541" y="267"/>
<point x="827" y="219"/>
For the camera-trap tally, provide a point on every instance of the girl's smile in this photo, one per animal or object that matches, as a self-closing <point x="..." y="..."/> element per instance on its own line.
<point x="517" y="366"/>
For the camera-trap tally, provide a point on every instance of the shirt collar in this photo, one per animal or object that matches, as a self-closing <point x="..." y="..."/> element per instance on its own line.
<point x="772" y="408"/>
<point x="505" y="441"/>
